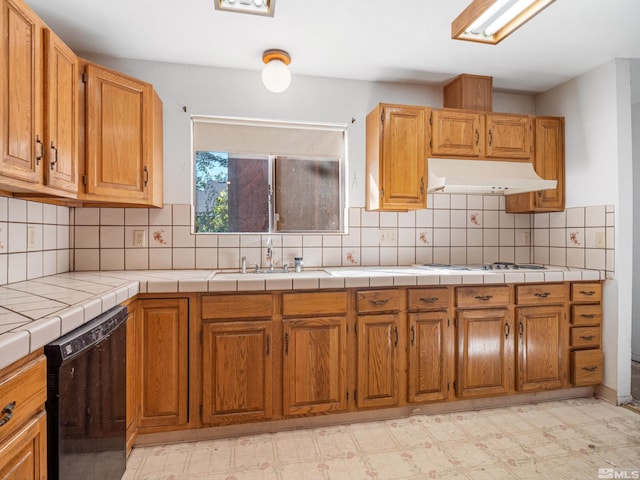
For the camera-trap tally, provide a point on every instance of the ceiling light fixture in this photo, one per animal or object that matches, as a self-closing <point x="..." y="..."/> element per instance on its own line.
<point x="491" y="21"/>
<point x="275" y="74"/>
<point x="255" y="7"/>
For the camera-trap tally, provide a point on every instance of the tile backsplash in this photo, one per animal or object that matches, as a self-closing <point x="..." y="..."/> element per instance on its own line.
<point x="454" y="229"/>
<point x="34" y="240"/>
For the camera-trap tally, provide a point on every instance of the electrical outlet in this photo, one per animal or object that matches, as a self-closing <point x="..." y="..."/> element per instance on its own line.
<point x="387" y="236"/>
<point x="526" y="238"/>
<point x="139" y="238"/>
<point x="31" y="237"/>
<point x="600" y="240"/>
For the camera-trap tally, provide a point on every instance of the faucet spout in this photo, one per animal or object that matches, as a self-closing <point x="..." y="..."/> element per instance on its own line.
<point x="270" y="253"/>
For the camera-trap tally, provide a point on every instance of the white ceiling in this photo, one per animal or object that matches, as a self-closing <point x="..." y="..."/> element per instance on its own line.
<point x="375" y="40"/>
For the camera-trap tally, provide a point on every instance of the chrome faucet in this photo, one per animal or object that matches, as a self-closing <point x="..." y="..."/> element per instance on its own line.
<point x="270" y="253"/>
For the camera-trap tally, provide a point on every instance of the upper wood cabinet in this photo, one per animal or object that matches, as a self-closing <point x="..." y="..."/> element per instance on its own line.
<point x="123" y="139"/>
<point x="549" y="164"/>
<point x="456" y="133"/>
<point x="396" y="158"/>
<point x="470" y="134"/>
<point x="61" y="115"/>
<point x="22" y="136"/>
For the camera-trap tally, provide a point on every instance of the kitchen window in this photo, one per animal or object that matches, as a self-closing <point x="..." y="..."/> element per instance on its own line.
<point x="253" y="176"/>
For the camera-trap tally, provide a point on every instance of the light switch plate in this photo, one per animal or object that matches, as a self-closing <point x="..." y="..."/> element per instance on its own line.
<point x="387" y="236"/>
<point x="31" y="237"/>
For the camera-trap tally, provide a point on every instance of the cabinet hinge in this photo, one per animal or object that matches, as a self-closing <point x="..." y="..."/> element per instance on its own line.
<point x="355" y="328"/>
<point x="448" y="322"/>
<point x="382" y="116"/>
<point x="347" y="331"/>
<point x="430" y="143"/>
<point x="347" y="396"/>
<point x="431" y="119"/>
<point x="455" y="385"/>
<point x="382" y="193"/>
<point x="448" y="386"/>
<point x="355" y="395"/>
<point x="84" y="77"/>
<point x="84" y="179"/>
<point x="455" y="322"/>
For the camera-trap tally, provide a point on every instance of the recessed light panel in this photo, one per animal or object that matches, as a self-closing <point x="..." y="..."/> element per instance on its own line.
<point x="254" y="7"/>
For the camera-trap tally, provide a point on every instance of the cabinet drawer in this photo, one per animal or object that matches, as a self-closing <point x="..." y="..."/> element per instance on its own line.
<point x="23" y="393"/>
<point x="586" y="314"/>
<point x="428" y="298"/>
<point x="316" y="303"/>
<point x="585" y="337"/>
<point x="586" y="367"/>
<point x="586" y="292"/>
<point x="482" y="296"/>
<point x="225" y="307"/>
<point x="539" y="294"/>
<point x="378" y="301"/>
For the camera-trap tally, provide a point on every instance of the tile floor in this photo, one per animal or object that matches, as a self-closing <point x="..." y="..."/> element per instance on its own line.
<point x="569" y="439"/>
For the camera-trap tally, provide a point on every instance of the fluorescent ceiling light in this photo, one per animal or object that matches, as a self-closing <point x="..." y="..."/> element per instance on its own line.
<point x="255" y="7"/>
<point x="490" y="21"/>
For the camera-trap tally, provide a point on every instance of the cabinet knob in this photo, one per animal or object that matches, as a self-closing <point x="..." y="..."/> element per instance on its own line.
<point x="7" y="413"/>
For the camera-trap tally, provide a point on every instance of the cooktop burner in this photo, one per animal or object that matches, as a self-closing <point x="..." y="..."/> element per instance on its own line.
<point x="486" y="266"/>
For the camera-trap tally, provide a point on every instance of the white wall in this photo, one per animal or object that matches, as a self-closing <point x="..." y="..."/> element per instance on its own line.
<point x="597" y="111"/>
<point x="635" y="127"/>
<point x="239" y="93"/>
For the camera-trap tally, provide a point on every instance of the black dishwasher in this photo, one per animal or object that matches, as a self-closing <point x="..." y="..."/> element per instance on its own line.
<point x="86" y="400"/>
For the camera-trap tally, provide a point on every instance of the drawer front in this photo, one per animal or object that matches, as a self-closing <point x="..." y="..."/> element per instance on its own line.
<point x="22" y="394"/>
<point x="586" y="315"/>
<point x="585" y="336"/>
<point x="540" y="294"/>
<point x="316" y="303"/>
<point x="378" y="301"/>
<point x="226" y="307"/>
<point x="586" y="367"/>
<point x="586" y="292"/>
<point x="477" y="297"/>
<point x="428" y="299"/>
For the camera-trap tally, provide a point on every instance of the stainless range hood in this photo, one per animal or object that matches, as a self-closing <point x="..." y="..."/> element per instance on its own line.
<point x="484" y="177"/>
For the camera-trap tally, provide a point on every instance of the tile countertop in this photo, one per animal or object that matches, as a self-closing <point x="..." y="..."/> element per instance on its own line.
<point x="36" y="312"/>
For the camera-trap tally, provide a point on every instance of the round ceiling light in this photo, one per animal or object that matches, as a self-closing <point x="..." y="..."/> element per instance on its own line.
<point x="276" y="76"/>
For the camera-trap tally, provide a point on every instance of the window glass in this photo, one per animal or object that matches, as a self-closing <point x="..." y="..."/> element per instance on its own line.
<point x="260" y="177"/>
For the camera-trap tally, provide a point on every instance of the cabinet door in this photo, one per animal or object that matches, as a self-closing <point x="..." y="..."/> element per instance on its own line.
<point x="24" y="456"/>
<point x="509" y="136"/>
<point x="429" y="351"/>
<point x="314" y="365"/>
<point x="377" y="357"/>
<point x="21" y="138"/>
<point x="485" y="352"/>
<point x="237" y="371"/>
<point x="61" y="110"/>
<point x="132" y="377"/>
<point x="540" y="351"/>
<point x="163" y="352"/>
<point x="456" y="133"/>
<point x="119" y="122"/>
<point x="549" y="164"/>
<point x="403" y="158"/>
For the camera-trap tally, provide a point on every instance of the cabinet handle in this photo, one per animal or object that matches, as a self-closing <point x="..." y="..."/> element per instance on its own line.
<point x="429" y="299"/>
<point x="587" y="337"/>
<point x="421" y="186"/>
<point x="490" y="137"/>
<point x="395" y="329"/>
<point x="413" y="335"/>
<point x="8" y="413"/>
<point x="590" y="369"/>
<point x="587" y="315"/>
<point x="379" y="303"/>
<point x="542" y="294"/>
<point x="55" y="156"/>
<point x="268" y="344"/>
<point x="286" y="344"/>
<point x="521" y="329"/>
<point x="507" y="329"/>
<point x="146" y="175"/>
<point x="41" y="144"/>
<point x="477" y="137"/>
<point x="484" y="298"/>
<point x="588" y="294"/>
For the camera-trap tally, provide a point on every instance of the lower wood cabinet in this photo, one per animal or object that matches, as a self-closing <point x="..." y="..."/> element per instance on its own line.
<point x="23" y="421"/>
<point x="428" y="358"/>
<point x="540" y="348"/>
<point x="163" y="353"/>
<point x="377" y="358"/>
<point x="485" y="352"/>
<point x="237" y="371"/>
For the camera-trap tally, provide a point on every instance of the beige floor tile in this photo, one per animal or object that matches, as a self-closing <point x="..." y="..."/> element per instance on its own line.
<point x="470" y="454"/>
<point x="334" y="443"/>
<point x="374" y="439"/>
<point x="531" y="469"/>
<point x="496" y="472"/>
<point x="391" y="465"/>
<point x="295" y="448"/>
